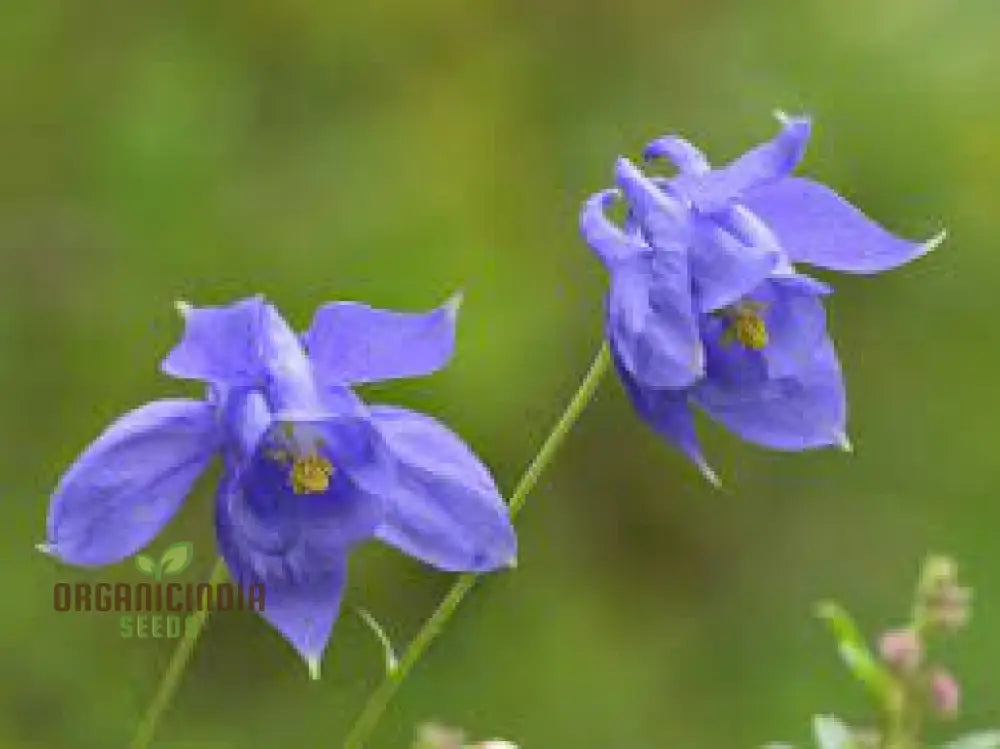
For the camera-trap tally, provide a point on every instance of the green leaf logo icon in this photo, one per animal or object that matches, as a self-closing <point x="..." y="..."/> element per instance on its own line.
<point x="176" y="559"/>
<point x="145" y="565"/>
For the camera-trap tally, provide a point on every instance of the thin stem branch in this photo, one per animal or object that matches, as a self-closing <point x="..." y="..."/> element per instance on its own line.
<point x="432" y="627"/>
<point x="175" y="669"/>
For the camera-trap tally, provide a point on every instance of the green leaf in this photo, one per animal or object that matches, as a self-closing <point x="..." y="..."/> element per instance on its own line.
<point x="854" y="651"/>
<point x="978" y="740"/>
<point x="391" y="661"/>
<point x="145" y="564"/>
<point x="831" y="733"/>
<point x="176" y="558"/>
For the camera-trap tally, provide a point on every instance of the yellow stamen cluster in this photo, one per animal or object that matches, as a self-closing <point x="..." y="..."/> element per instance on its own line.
<point x="747" y="326"/>
<point x="309" y="474"/>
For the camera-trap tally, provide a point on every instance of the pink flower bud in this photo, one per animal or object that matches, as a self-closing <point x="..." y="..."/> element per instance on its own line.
<point x="901" y="649"/>
<point x="945" y="693"/>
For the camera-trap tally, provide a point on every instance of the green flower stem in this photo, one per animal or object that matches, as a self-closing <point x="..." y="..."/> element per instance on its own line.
<point x="380" y="698"/>
<point x="175" y="669"/>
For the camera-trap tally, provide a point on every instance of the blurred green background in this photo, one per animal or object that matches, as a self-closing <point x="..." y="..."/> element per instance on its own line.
<point x="394" y="153"/>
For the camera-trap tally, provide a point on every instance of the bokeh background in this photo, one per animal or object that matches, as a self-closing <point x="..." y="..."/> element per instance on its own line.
<point x="397" y="152"/>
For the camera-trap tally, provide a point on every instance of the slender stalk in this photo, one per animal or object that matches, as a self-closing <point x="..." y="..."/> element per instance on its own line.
<point x="175" y="669"/>
<point x="432" y="627"/>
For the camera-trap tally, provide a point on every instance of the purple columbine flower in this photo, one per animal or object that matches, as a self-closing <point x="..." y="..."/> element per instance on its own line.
<point x="309" y="469"/>
<point x="706" y="306"/>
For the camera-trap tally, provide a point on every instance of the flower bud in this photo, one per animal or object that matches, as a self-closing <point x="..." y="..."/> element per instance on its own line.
<point x="901" y="649"/>
<point x="945" y="693"/>
<point x="942" y="603"/>
<point x="938" y="570"/>
<point x="949" y="609"/>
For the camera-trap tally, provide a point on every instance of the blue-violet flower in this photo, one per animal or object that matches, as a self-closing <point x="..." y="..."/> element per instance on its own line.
<point x="705" y="305"/>
<point x="309" y="470"/>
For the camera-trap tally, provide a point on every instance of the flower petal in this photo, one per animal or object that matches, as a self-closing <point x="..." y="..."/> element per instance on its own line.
<point x="274" y="534"/>
<point x="817" y="226"/>
<point x="350" y="342"/>
<point x="651" y="323"/>
<point x="685" y="156"/>
<point x="790" y="413"/>
<point x="750" y="231"/>
<point x="761" y="165"/>
<point x="446" y="509"/>
<point x="729" y="253"/>
<point x="796" y="325"/>
<point x="302" y="588"/>
<point x="665" y="223"/>
<point x="246" y="418"/>
<point x="723" y="267"/>
<point x="131" y="481"/>
<point x="728" y="363"/>
<point x="668" y="413"/>
<point x="247" y="344"/>
<point x="786" y="275"/>
<point x="609" y="242"/>
<point x="291" y="381"/>
<point x="220" y="344"/>
<point x="304" y="611"/>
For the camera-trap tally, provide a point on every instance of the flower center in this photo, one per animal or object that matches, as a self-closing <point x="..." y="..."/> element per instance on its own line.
<point x="309" y="473"/>
<point x="746" y="326"/>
